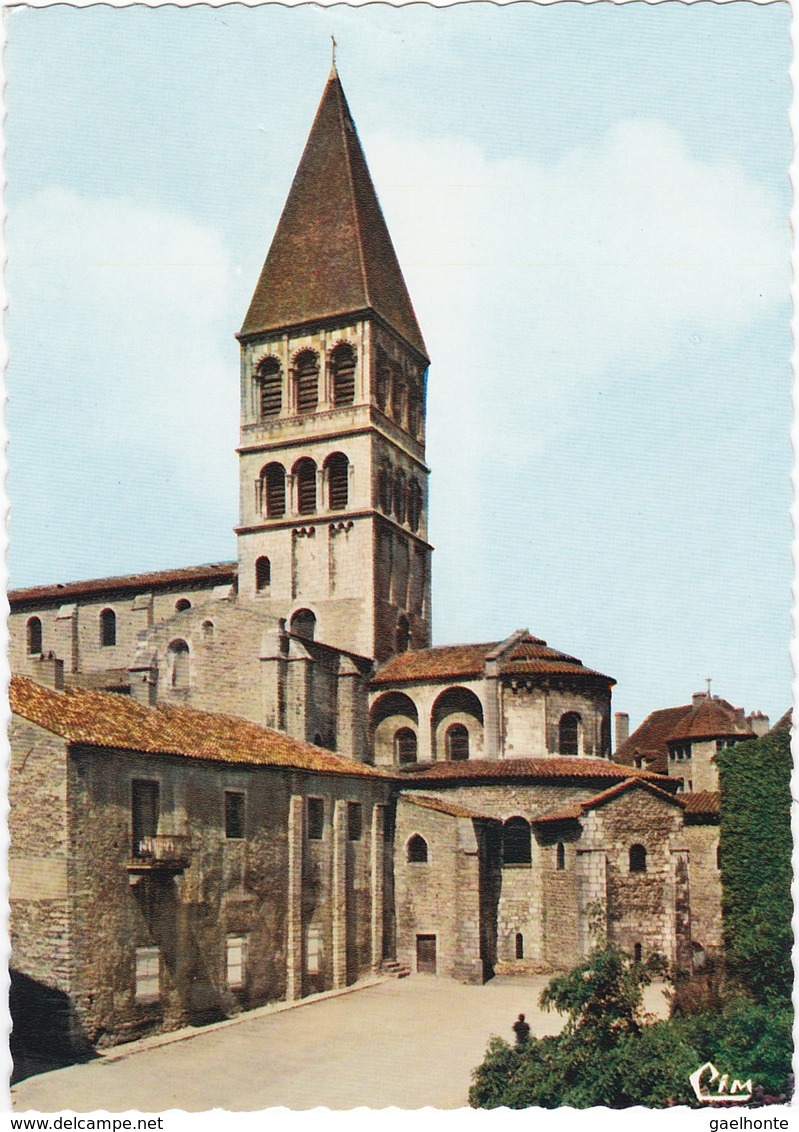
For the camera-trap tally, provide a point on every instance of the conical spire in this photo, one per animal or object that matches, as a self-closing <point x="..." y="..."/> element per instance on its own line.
<point x="332" y="254"/>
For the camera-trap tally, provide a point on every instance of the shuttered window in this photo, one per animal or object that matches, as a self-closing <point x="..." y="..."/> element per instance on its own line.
<point x="338" y="477"/>
<point x="343" y="365"/>
<point x="273" y="481"/>
<point x="270" y="387"/>
<point x="306" y="379"/>
<point x="305" y="475"/>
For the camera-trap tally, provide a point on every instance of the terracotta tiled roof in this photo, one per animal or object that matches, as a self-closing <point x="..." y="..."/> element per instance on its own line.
<point x="529" y="656"/>
<point x="558" y="767"/>
<point x="444" y="807"/>
<point x="104" y="719"/>
<point x="442" y="662"/>
<point x="332" y="253"/>
<point x="702" y="802"/>
<point x="649" y="741"/>
<point x="577" y="809"/>
<point x="711" y="719"/>
<point x="784" y="723"/>
<point x="216" y="573"/>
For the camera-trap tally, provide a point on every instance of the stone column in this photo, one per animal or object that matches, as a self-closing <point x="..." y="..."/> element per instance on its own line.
<point x="339" y="894"/>
<point x="66" y="637"/>
<point x="378" y="883"/>
<point x="294" y="909"/>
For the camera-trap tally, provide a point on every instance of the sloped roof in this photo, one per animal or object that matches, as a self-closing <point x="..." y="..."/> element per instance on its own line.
<point x="104" y="719"/>
<point x="452" y="809"/>
<point x="216" y="573"/>
<point x="711" y="719"/>
<point x="785" y="722"/>
<point x="576" y="809"/>
<point x="332" y="253"/>
<point x="528" y="656"/>
<point x="702" y="802"/>
<point x="555" y="768"/>
<point x="650" y="740"/>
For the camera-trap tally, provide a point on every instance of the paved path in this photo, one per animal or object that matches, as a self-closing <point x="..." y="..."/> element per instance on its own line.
<point x="410" y="1042"/>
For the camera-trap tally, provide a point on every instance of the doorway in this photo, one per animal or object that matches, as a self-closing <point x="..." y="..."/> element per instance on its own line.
<point x="426" y="954"/>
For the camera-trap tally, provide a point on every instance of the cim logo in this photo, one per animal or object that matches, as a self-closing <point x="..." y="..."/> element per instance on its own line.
<point x="707" y="1075"/>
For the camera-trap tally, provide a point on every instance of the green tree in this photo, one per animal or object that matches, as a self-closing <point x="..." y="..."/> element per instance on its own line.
<point x="756" y="873"/>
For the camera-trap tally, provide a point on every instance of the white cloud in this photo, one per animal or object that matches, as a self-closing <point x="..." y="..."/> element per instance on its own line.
<point x="620" y="254"/>
<point x="130" y="353"/>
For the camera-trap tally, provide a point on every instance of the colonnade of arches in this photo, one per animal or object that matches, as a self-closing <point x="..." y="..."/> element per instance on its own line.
<point x="451" y="729"/>
<point x="299" y="491"/>
<point x="302" y="392"/>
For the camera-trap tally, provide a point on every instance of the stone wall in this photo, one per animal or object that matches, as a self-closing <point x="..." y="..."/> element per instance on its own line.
<point x="706" y="926"/>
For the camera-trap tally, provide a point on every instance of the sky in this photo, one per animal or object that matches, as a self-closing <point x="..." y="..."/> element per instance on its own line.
<point x="590" y="205"/>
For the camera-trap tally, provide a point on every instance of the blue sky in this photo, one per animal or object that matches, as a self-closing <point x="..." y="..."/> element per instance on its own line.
<point x="590" y="204"/>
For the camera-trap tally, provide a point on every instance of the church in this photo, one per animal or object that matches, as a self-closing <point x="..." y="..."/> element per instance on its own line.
<point x="249" y="781"/>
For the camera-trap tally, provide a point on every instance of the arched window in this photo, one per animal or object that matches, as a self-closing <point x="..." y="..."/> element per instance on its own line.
<point x="306" y="381"/>
<point x="516" y="842"/>
<point x="405" y="746"/>
<point x="303" y="624"/>
<point x="338" y="481"/>
<point x="108" y="628"/>
<point x="342" y="363"/>
<point x="519" y="945"/>
<point x="399" y="496"/>
<point x="403" y="634"/>
<point x="414" y="505"/>
<point x="383" y="384"/>
<point x="399" y="400"/>
<point x="414" y="413"/>
<point x="384" y="489"/>
<point x="417" y="849"/>
<point x="263" y="573"/>
<point x="305" y="477"/>
<point x="270" y="387"/>
<point x="182" y="604"/>
<point x="208" y="632"/>
<point x="179" y="664"/>
<point x="561" y="855"/>
<point x="34" y="635"/>
<point x="637" y="859"/>
<point x="569" y="734"/>
<point x="273" y="491"/>
<point x="457" y="742"/>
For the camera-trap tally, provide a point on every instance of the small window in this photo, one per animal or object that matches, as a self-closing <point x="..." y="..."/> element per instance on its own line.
<point x="342" y="363"/>
<point x="234" y="815"/>
<point x="383" y="384"/>
<point x="148" y="974"/>
<point x="399" y="497"/>
<point x="384" y="489"/>
<point x="303" y="624"/>
<point x="108" y="628"/>
<point x="270" y="388"/>
<point x="637" y="859"/>
<point x="519" y="945"/>
<point x="316" y="818"/>
<point x="718" y="856"/>
<point x="263" y="574"/>
<point x="338" y="481"/>
<point x="34" y="633"/>
<point x="179" y="664"/>
<point x="354" y="821"/>
<point x="405" y="746"/>
<point x="313" y="952"/>
<point x="417" y="849"/>
<point x="569" y="734"/>
<point x="208" y="632"/>
<point x="273" y="491"/>
<point x="305" y="477"/>
<point x="561" y="855"/>
<point x="516" y="842"/>
<point x="306" y="381"/>
<point x="182" y="604"/>
<point x="236" y="959"/>
<point x="639" y="952"/>
<point x="457" y="742"/>
<point x="145" y="812"/>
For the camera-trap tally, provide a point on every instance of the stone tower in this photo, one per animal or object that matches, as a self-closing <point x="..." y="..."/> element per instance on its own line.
<point x="333" y="529"/>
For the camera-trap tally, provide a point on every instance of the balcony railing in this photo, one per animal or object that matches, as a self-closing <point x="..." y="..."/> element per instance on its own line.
<point x="161" y="852"/>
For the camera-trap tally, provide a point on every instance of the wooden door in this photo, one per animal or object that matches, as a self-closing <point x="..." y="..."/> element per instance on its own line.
<point x="426" y="954"/>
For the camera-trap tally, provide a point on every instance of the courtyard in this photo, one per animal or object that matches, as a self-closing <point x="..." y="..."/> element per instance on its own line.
<point x="410" y="1043"/>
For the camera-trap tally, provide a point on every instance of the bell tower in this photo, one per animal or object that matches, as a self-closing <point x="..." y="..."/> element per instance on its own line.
<point x="333" y="499"/>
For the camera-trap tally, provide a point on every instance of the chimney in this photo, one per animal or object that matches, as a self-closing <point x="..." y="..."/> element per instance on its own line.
<point x="758" y="722"/>
<point x="622" y="721"/>
<point x="48" y="671"/>
<point x="698" y="698"/>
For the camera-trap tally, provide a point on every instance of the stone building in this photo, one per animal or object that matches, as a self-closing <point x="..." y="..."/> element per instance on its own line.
<point x="253" y="780"/>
